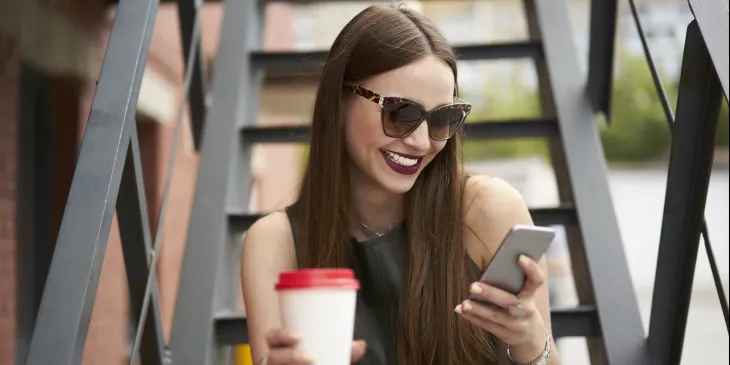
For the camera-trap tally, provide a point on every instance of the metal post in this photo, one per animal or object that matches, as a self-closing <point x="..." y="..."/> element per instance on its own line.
<point x="690" y="166"/>
<point x="600" y="54"/>
<point x="33" y="208"/>
<point x="188" y="11"/>
<point x="192" y="341"/>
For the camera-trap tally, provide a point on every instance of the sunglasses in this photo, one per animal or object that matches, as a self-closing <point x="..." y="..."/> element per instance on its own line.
<point x="400" y="116"/>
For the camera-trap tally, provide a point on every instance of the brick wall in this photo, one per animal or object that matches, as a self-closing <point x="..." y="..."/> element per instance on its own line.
<point x="8" y="133"/>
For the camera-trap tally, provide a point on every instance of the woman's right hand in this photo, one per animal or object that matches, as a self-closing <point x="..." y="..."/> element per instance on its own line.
<point x="283" y="349"/>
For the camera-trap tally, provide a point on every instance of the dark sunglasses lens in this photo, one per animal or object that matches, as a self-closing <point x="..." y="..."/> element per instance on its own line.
<point x="401" y="118"/>
<point x="445" y="122"/>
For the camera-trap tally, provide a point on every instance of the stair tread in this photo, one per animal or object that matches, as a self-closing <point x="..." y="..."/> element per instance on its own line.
<point x="297" y="59"/>
<point x="580" y="321"/>
<point x="560" y="215"/>
<point x="517" y="128"/>
<point x="236" y="316"/>
<point x="565" y="207"/>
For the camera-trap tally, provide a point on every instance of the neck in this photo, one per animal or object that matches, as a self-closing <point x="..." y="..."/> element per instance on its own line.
<point x="372" y="206"/>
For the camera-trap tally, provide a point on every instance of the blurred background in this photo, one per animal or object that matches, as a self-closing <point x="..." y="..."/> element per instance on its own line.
<point x="51" y="52"/>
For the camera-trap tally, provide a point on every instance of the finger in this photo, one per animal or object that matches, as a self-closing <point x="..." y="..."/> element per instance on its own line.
<point x="534" y="277"/>
<point x="289" y="356"/>
<point x="494" y="328"/>
<point x="358" y="350"/>
<point x="496" y="315"/>
<point x="281" y="338"/>
<point x="493" y="295"/>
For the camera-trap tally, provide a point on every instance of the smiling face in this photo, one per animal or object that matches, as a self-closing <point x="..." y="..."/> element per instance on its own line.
<point x="395" y="163"/>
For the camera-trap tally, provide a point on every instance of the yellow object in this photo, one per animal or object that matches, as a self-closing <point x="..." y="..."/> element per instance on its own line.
<point x="243" y="355"/>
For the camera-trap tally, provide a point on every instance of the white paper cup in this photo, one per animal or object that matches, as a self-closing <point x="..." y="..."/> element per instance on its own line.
<point x="319" y="305"/>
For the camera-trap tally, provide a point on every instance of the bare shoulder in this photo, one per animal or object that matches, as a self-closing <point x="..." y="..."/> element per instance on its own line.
<point x="268" y="249"/>
<point x="269" y="243"/>
<point x="491" y="208"/>
<point x="271" y="227"/>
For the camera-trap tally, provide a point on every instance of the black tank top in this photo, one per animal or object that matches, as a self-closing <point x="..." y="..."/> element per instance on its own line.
<point x="378" y="264"/>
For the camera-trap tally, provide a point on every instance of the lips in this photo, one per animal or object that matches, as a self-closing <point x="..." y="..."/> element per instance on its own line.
<point x="402" y="159"/>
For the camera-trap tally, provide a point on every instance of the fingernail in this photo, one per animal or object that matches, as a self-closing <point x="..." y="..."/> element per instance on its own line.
<point x="517" y="312"/>
<point x="467" y="306"/>
<point x="458" y="309"/>
<point x="475" y="288"/>
<point x="524" y="259"/>
<point x="295" y="335"/>
<point x="363" y="343"/>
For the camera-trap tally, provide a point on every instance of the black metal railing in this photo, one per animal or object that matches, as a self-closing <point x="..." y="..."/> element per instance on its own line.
<point x="703" y="82"/>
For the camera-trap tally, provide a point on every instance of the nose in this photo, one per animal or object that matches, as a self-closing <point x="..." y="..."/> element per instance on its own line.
<point x="419" y="141"/>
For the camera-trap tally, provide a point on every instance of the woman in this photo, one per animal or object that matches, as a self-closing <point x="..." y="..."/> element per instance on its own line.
<point x="384" y="194"/>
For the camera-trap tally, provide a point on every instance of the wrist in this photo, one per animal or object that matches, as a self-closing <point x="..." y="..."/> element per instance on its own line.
<point x="526" y="352"/>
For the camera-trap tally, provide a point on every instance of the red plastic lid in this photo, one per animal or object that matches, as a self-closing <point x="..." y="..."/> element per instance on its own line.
<point x="318" y="278"/>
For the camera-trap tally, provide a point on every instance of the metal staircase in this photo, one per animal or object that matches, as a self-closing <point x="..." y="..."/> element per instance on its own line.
<point x="205" y="324"/>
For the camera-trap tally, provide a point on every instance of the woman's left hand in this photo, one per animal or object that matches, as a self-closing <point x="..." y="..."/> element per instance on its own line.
<point x="514" y="319"/>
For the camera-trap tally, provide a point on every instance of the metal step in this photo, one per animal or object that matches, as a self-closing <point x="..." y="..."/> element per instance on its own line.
<point x="519" y="128"/>
<point x="563" y="215"/>
<point x="297" y="60"/>
<point x="232" y="329"/>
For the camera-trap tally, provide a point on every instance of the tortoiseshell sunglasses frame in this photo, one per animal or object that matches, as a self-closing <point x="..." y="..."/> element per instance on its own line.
<point x="425" y="114"/>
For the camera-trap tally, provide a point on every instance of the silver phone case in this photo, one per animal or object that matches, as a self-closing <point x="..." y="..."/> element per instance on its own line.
<point x="504" y="271"/>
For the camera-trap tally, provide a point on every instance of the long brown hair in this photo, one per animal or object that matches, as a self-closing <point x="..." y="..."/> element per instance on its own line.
<point x="377" y="40"/>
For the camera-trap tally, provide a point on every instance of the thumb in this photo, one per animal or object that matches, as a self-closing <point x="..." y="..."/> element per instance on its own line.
<point x="358" y="350"/>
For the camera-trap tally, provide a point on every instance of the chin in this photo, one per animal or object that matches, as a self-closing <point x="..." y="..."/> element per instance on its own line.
<point x="399" y="186"/>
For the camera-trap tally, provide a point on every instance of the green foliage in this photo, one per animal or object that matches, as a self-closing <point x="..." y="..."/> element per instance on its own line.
<point x="638" y="130"/>
<point x="510" y="104"/>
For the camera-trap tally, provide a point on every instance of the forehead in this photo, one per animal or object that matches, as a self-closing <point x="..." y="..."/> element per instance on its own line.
<point x="428" y="81"/>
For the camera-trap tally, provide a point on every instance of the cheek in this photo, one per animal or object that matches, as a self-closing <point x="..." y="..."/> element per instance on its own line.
<point x="364" y="132"/>
<point x="437" y="146"/>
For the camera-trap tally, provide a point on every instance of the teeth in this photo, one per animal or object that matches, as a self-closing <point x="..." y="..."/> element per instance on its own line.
<point x="400" y="160"/>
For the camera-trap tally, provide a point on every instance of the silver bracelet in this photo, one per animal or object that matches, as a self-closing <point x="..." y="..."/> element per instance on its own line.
<point x="542" y="359"/>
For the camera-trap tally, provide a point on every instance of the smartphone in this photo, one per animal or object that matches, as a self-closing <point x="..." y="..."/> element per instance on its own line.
<point x="504" y="271"/>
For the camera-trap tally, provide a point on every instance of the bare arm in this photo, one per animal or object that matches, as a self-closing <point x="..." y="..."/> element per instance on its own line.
<point x="492" y="208"/>
<point x="268" y="249"/>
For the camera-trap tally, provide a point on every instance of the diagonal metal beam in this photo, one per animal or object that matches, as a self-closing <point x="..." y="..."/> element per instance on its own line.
<point x="188" y="12"/>
<point x="605" y="260"/>
<point x="136" y="246"/>
<point x="574" y="236"/>
<point x="73" y="278"/>
<point x="690" y="167"/>
<point x="600" y="54"/>
<point x="712" y="18"/>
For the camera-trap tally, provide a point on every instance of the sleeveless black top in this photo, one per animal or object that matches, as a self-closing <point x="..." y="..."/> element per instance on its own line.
<point x="378" y="265"/>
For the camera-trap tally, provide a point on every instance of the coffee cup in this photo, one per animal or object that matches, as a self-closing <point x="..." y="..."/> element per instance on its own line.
<point x="319" y="305"/>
